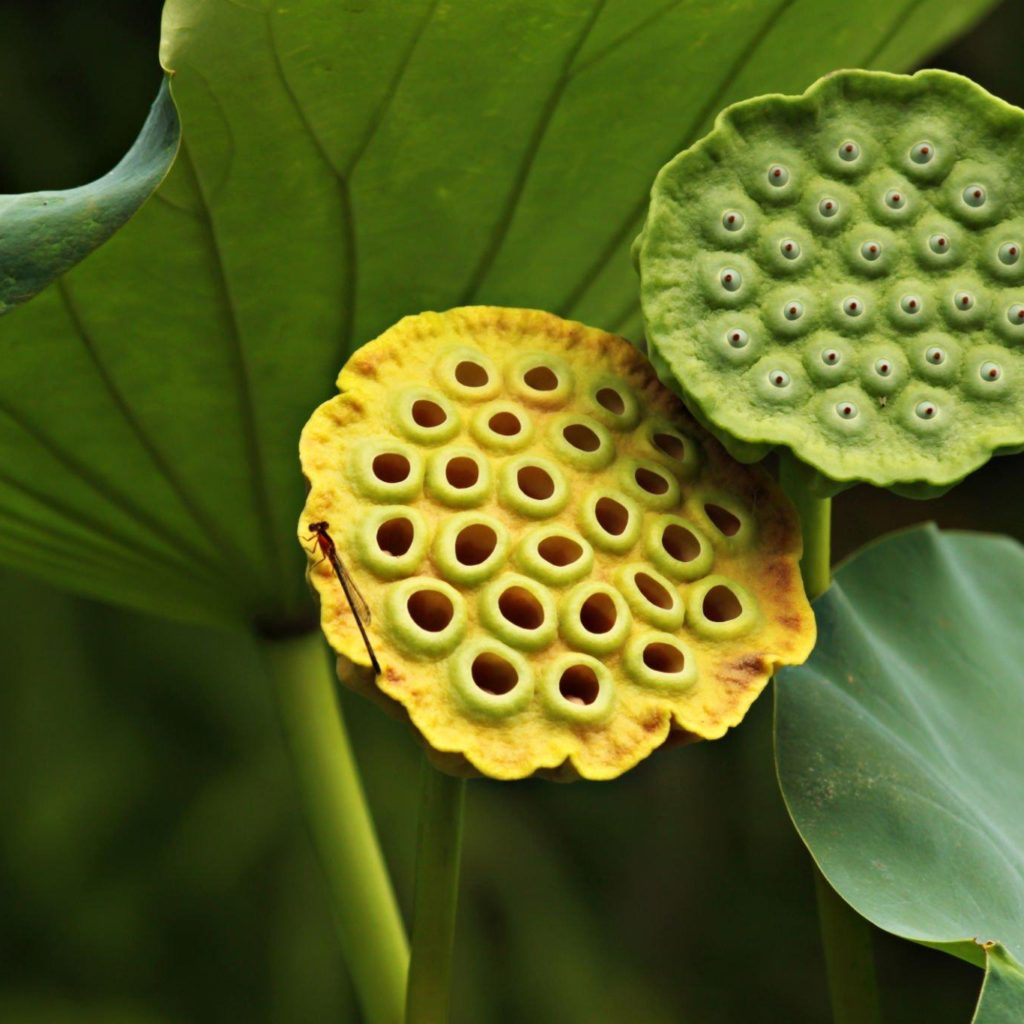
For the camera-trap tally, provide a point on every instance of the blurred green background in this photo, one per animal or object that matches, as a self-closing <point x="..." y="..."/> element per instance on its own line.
<point x="153" y="867"/>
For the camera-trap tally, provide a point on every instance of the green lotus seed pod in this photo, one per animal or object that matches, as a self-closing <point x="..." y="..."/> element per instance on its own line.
<point x="561" y="568"/>
<point x="840" y="274"/>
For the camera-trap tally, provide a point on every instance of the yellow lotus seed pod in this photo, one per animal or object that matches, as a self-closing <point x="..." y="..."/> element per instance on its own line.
<point x="563" y="570"/>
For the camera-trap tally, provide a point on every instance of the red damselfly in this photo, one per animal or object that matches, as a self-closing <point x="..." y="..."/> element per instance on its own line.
<point x="356" y="601"/>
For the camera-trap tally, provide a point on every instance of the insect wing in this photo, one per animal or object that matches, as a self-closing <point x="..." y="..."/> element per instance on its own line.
<point x="355" y="598"/>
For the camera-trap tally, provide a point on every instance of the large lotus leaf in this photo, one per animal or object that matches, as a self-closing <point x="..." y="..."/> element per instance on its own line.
<point x="899" y="748"/>
<point x="343" y="165"/>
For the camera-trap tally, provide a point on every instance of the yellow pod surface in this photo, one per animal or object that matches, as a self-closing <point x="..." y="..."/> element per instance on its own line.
<point x="562" y="569"/>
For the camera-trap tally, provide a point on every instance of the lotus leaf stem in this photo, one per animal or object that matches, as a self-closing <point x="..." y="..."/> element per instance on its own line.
<point x="437" y="889"/>
<point x="372" y="936"/>
<point x="845" y="935"/>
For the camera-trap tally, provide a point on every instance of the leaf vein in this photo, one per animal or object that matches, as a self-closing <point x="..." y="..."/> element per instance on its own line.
<point x="198" y="570"/>
<point x="899" y="22"/>
<point x="240" y="369"/>
<point x="713" y="103"/>
<point x="619" y="41"/>
<point x="207" y="526"/>
<point x="511" y="205"/>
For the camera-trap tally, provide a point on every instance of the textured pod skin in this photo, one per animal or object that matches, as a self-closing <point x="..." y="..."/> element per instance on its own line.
<point x="841" y="273"/>
<point x="533" y="649"/>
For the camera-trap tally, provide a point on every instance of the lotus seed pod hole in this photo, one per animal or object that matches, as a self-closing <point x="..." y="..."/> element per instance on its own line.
<point x="471" y="375"/>
<point x="475" y="544"/>
<point x="662" y="657"/>
<point x="611" y="400"/>
<point x="507" y="424"/>
<point x="582" y="437"/>
<point x="560" y="550"/>
<point x="526" y="539"/>
<point x="541" y="378"/>
<point x="428" y="414"/>
<point x="430" y="610"/>
<point x="651" y="481"/>
<point x="494" y="674"/>
<point x="680" y="543"/>
<point x="462" y="472"/>
<point x="672" y="446"/>
<point x="521" y="608"/>
<point x="598" y="614"/>
<point x="394" y="537"/>
<point x="727" y="523"/>
<point x="579" y="685"/>
<point x="653" y="591"/>
<point x="612" y="516"/>
<point x="721" y="604"/>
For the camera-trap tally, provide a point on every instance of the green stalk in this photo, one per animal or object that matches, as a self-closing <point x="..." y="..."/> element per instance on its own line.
<point x="816" y="524"/>
<point x="370" y="928"/>
<point x="845" y="935"/>
<point x="437" y="891"/>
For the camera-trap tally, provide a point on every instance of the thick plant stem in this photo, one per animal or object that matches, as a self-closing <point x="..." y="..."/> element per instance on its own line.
<point x="816" y="524"/>
<point x="373" y="939"/>
<point x="437" y="890"/>
<point x="849" y="958"/>
<point x="845" y="935"/>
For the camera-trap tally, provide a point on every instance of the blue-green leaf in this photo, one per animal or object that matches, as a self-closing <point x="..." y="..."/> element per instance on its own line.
<point x="899" y="750"/>
<point x="44" y="234"/>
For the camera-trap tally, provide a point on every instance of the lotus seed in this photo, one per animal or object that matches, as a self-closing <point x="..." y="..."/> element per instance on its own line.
<point x="779" y="378"/>
<point x="935" y="356"/>
<point x="883" y="368"/>
<point x="789" y="248"/>
<point x="922" y="153"/>
<point x="974" y="195"/>
<point x="895" y="200"/>
<point x="849" y="151"/>
<point x="1015" y="314"/>
<point x="793" y="310"/>
<point x="871" y="250"/>
<point x="847" y="410"/>
<point x="990" y="371"/>
<point x="852" y="306"/>
<point x="910" y="304"/>
<point x="732" y="220"/>
<point x="777" y="175"/>
<point x="1009" y="253"/>
<point x="737" y="337"/>
<point x="939" y="244"/>
<point x="925" y="410"/>
<point x="828" y="207"/>
<point x="830" y="357"/>
<point x="730" y="279"/>
<point x="963" y="300"/>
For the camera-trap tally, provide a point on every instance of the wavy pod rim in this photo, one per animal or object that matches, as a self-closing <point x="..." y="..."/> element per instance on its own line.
<point x="602" y="715"/>
<point x="895" y="455"/>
